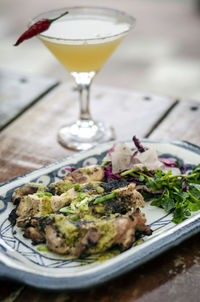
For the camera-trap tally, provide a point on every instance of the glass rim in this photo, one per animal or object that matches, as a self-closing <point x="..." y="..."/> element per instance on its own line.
<point x="132" y="22"/>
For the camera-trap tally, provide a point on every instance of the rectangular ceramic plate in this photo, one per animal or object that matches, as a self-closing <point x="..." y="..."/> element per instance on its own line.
<point x="20" y="260"/>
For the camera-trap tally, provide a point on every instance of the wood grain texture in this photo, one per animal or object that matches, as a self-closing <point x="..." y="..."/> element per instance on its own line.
<point x="9" y="290"/>
<point x="18" y="92"/>
<point x="182" y="123"/>
<point x="31" y="141"/>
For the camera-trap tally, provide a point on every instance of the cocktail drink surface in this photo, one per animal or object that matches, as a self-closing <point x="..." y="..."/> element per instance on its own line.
<point x="82" y="41"/>
<point x="88" y="48"/>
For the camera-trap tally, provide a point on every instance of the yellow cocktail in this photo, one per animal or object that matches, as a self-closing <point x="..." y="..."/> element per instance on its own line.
<point x="82" y="41"/>
<point x="83" y="55"/>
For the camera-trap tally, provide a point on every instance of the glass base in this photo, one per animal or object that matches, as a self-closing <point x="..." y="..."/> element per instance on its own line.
<point x="83" y="135"/>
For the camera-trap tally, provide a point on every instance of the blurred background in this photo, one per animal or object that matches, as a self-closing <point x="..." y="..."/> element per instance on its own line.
<point x="160" y="55"/>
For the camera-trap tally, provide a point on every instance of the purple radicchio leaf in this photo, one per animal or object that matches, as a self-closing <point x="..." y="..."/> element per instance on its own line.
<point x="146" y="189"/>
<point x="71" y="169"/>
<point x="168" y="162"/>
<point x="138" y="145"/>
<point x="183" y="169"/>
<point x="184" y="185"/>
<point x="109" y="174"/>
<point x="111" y="150"/>
<point x="134" y="154"/>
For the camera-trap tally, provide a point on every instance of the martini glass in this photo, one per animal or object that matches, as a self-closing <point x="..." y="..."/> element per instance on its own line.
<point x="82" y="41"/>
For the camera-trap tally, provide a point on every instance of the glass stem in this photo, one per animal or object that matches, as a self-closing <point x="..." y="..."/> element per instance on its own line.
<point x="83" y="81"/>
<point x="84" y="97"/>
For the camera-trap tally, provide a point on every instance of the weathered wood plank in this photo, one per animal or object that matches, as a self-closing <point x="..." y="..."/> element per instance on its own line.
<point x="128" y="111"/>
<point x="9" y="290"/>
<point x="18" y="92"/>
<point x="182" y="123"/>
<point x="31" y="140"/>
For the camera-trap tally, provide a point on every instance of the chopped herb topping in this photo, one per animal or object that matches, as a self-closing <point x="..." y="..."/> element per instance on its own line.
<point x="81" y="196"/>
<point x="105" y="197"/>
<point x="77" y="187"/>
<point x="40" y="195"/>
<point x="75" y="217"/>
<point x="48" y="194"/>
<point x="42" y="248"/>
<point x="66" y="210"/>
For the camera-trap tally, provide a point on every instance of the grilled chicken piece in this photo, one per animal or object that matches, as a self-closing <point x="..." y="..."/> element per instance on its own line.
<point x="60" y="187"/>
<point x="34" y="206"/>
<point x="34" y="234"/>
<point x="113" y="185"/>
<point x="127" y="200"/>
<point x="85" y="175"/>
<point x="23" y="191"/>
<point x="35" y="229"/>
<point x="130" y="196"/>
<point x="111" y="222"/>
<point x="82" y="238"/>
<point x="91" y="187"/>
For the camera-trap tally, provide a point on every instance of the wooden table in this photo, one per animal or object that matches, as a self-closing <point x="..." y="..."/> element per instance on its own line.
<point x="29" y="142"/>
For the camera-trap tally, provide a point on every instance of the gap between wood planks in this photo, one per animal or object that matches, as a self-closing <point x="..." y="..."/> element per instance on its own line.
<point x="162" y="118"/>
<point x="14" y="295"/>
<point x="29" y="106"/>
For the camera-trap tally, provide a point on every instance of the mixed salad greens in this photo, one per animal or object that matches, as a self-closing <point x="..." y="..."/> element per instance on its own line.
<point x="169" y="186"/>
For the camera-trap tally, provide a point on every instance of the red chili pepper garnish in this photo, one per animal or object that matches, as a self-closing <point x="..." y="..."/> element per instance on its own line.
<point x="37" y="28"/>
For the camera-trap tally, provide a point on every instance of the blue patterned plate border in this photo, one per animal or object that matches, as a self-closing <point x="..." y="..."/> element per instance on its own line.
<point x="22" y="262"/>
